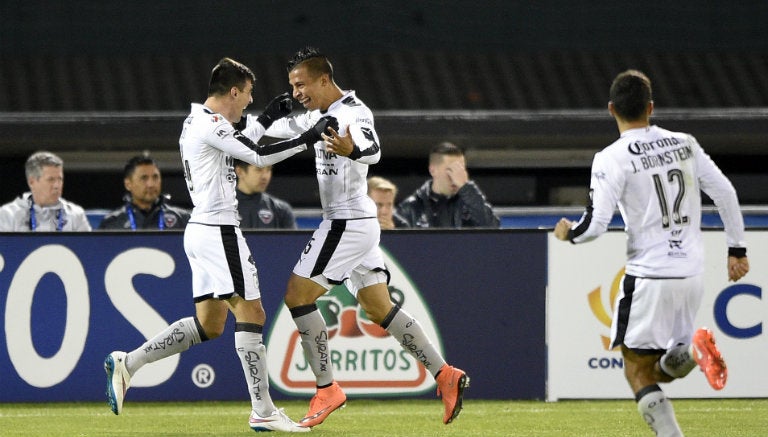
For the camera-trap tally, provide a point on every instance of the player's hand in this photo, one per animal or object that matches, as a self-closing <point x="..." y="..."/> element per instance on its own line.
<point x="340" y="145"/>
<point x="561" y="229"/>
<point x="737" y="268"/>
<point x="278" y="108"/>
<point x="457" y="174"/>
<point x="315" y="133"/>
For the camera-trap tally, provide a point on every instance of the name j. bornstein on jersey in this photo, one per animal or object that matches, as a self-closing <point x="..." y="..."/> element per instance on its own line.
<point x="651" y="157"/>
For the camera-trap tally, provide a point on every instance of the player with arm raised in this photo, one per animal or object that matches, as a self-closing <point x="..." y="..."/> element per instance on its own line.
<point x="345" y="247"/>
<point x="224" y="276"/>
<point x="655" y="177"/>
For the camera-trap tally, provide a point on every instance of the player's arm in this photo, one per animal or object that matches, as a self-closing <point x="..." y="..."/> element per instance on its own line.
<point x="269" y="154"/>
<point x="359" y="143"/>
<point x="289" y="127"/>
<point x="254" y="127"/>
<point x="233" y="142"/>
<point x="606" y="185"/>
<point x="719" y="188"/>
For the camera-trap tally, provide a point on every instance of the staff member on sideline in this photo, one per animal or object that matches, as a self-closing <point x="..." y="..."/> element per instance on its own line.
<point x="42" y="208"/>
<point x="145" y="207"/>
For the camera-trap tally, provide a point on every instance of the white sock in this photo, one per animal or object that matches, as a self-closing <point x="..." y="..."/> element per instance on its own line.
<point x="174" y="339"/>
<point x="656" y="409"/>
<point x="314" y="342"/>
<point x="411" y="336"/>
<point x="678" y="361"/>
<point x="253" y="357"/>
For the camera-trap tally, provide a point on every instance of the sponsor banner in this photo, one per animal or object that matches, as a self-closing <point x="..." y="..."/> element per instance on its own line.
<point x="364" y="357"/>
<point x="582" y="287"/>
<point x="67" y="300"/>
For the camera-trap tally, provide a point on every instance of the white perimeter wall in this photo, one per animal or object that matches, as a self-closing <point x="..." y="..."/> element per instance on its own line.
<point x="578" y="326"/>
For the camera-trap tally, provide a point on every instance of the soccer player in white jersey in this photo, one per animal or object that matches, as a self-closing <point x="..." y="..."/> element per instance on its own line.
<point x="224" y="276"/>
<point x="655" y="177"/>
<point x="345" y="248"/>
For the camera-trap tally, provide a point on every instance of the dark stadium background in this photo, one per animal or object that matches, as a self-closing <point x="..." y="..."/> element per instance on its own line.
<point x="522" y="85"/>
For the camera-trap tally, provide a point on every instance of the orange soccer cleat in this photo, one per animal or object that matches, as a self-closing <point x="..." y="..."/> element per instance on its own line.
<point x="324" y="402"/>
<point x="708" y="357"/>
<point x="451" y="383"/>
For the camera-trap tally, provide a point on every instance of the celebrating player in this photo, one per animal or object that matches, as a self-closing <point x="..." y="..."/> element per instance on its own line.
<point x="655" y="176"/>
<point x="345" y="247"/>
<point x="224" y="276"/>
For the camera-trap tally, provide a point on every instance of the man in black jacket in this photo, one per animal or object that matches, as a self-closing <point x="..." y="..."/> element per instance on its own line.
<point x="450" y="199"/>
<point x="259" y="209"/>
<point x="145" y="207"/>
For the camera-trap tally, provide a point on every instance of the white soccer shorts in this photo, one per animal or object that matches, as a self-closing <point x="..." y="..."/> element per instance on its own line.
<point x="221" y="262"/>
<point x="656" y="314"/>
<point x="344" y="251"/>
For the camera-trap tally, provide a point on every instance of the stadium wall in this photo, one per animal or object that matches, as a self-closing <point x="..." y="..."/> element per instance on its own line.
<point x="527" y="316"/>
<point x="68" y="300"/>
<point x="582" y="286"/>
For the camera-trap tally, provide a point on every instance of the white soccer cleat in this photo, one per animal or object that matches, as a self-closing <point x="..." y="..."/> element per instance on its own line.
<point x="118" y="380"/>
<point x="278" y="421"/>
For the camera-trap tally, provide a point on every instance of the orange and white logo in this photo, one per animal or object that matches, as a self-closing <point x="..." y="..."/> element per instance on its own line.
<point x="365" y="358"/>
<point x="595" y="298"/>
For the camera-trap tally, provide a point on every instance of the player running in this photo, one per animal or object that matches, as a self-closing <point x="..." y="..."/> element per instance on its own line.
<point x="655" y="176"/>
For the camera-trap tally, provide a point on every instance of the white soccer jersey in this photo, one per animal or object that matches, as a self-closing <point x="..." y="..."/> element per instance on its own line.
<point x="655" y="177"/>
<point x="342" y="181"/>
<point x="208" y="145"/>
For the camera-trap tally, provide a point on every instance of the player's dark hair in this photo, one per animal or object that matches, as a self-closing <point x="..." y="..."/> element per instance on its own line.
<point x="444" y="149"/>
<point x="228" y="73"/>
<point x="136" y="161"/>
<point x="630" y="93"/>
<point x="239" y="163"/>
<point x="315" y="62"/>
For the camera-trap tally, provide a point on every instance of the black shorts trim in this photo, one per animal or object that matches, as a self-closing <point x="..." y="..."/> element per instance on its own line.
<point x="625" y="304"/>
<point x="329" y="246"/>
<point x="232" y="254"/>
<point x="204" y="297"/>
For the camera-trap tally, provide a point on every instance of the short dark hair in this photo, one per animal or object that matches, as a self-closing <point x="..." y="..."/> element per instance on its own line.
<point x="228" y="73"/>
<point x="136" y="161"/>
<point x="239" y="163"/>
<point x="444" y="149"/>
<point x="315" y="61"/>
<point x="630" y="94"/>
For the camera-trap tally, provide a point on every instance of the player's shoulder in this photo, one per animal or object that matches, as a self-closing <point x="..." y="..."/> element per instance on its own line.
<point x="204" y="118"/>
<point x="352" y="110"/>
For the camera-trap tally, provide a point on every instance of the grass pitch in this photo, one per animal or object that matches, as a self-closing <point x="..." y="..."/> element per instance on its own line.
<point x="372" y="418"/>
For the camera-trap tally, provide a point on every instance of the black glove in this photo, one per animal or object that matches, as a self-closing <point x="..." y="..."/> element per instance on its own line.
<point x="240" y="125"/>
<point x="278" y="108"/>
<point x="312" y="135"/>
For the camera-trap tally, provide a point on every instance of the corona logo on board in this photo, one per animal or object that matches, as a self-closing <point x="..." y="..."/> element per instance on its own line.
<point x="365" y="358"/>
<point x="595" y="298"/>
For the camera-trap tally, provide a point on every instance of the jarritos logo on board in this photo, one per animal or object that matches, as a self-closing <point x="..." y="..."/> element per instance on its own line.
<point x="365" y="358"/>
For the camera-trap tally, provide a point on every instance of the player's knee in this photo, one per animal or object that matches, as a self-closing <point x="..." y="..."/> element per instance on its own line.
<point x="212" y="328"/>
